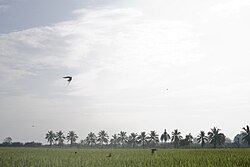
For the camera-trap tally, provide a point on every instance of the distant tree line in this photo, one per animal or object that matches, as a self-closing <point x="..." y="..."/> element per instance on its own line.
<point x="214" y="138"/>
<point x="9" y="143"/>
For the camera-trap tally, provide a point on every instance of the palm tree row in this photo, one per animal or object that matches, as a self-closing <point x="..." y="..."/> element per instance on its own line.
<point x="59" y="137"/>
<point x="213" y="137"/>
<point x="121" y="139"/>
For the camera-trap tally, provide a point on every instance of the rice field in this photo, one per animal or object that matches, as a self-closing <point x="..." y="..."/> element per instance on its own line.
<point x="69" y="157"/>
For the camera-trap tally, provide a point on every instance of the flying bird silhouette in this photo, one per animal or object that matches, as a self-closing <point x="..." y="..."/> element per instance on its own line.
<point x="69" y="78"/>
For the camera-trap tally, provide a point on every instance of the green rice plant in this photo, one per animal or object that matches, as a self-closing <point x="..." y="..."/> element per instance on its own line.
<point x="70" y="157"/>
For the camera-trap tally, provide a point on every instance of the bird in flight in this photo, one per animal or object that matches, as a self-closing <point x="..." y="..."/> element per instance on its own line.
<point x="69" y="78"/>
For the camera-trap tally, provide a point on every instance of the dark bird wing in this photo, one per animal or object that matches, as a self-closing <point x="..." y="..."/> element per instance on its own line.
<point x="68" y="77"/>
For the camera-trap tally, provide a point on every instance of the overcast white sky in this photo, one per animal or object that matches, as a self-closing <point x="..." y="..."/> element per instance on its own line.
<point x="123" y="55"/>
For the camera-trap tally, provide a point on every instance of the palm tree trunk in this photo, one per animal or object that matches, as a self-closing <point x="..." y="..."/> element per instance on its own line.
<point x="202" y="144"/>
<point x="248" y="141"/>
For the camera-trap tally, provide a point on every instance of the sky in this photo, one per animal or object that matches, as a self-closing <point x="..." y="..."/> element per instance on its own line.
<point x="136" y="66"/>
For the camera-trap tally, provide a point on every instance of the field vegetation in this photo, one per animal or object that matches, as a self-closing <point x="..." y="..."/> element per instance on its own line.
<point x="73" y="157"/>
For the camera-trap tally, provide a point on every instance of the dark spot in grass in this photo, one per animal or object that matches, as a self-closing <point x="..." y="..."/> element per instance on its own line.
<point x="109" y="155"/>
<point x="153" y="150"/>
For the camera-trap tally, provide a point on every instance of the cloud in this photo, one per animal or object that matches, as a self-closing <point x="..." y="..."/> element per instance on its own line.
<point x="133" y="50"/>
<point x="108" y="49"/>
<point x="230" y="7"/>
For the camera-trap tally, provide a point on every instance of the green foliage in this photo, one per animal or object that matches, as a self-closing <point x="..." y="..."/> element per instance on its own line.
<point x="153" y="138"/>
<point x="91" y="139"/>
<point x="165" y="136"/>
<point x="142" y="138"/>
<point x="187" y="141"/>
<point x="215" y="137"/>
<point x="114" y="140"/>
<point x="72" y="136"/>
<point x="176" y="137"/>
<point x="123" y="138"/>
<point x="50" y="136"/>
<point x="59" y="137"/>
<point x="102" y="137"/>
<point x="246" y="135"/>
<point x="202" y="138"/>
<point x="51" y="157"/>
<point x="7" y="140"/>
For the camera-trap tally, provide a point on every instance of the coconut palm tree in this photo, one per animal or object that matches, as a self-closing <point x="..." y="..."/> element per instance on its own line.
<point x="189" y="138"/>
<point x="187" y="141"/>
<point x="202" y="138"/>
<point x="102" y="137"/>
<point x="50" y="136"/>
<point x="165" y="137"/>
<point x="238" y="139"/>
<point x="114" y="140"/>
<point x="246" y="135"/>
<point x="133" y="139"/>
<point x="72" y="136"/>
<point x="123" y="138"/>
<point x="142" y="138"/>
<point x="59" y="137"/>
<point x="176" y="137"/>
<point x="153" y="138"/>
<point x="91" y="139"/>
<point x="215" y="137"/>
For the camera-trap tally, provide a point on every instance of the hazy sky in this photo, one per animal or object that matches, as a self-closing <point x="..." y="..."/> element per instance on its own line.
<point x="123" y="55"/>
